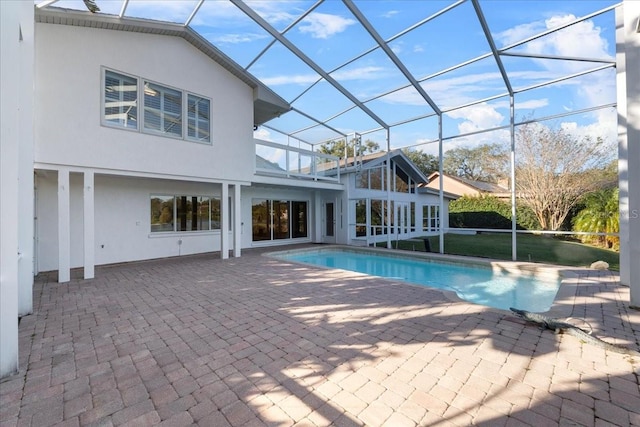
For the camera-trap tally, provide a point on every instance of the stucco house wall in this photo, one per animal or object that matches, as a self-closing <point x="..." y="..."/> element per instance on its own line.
<point x="129" y="165"/>
<point x="69" y="62"/>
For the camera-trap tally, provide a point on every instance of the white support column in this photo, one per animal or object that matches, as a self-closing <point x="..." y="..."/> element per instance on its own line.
<point x="237" y="221"/>
<point x="64" y="227"/>
<point x="26" y="193"/>
<point x="628" y="87"/>
<point x="441" y="210"/>
<point x="89" y="226"/>
<point x="388" y="172"/>
<point x="224" y="221"/>
<point x="9" y="147"/>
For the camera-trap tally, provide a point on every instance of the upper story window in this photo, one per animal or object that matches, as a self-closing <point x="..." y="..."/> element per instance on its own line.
<point x="120" y="100"/>
<point x="163" y="108"/>
<point x="198" y="118"/>
<point x="372" y="179"/>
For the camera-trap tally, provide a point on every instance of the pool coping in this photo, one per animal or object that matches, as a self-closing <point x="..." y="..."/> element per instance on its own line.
<point x="563" y="303"/>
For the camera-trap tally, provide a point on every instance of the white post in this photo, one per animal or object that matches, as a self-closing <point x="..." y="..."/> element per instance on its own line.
<point x="26" y="193"/>
<point x="441" y="210"/>
<point x="224" y="221"/>
<point x="89" y="226"/>
<point x="237" y="221"/>
<point x="628" y="91"/>
<point x="512" y="174"/>
<point x="64" y="227"/>
<point x="11" y="14"/>
<point x="388" y="171"/>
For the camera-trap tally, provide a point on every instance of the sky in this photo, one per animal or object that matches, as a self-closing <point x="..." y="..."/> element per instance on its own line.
<point x="334" y="42"/>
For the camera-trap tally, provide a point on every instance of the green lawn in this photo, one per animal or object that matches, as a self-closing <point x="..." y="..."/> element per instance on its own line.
<point x="530" y="248"/>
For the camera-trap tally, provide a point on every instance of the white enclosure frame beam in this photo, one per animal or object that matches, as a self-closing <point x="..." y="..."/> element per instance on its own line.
<point x="628" y="86"/>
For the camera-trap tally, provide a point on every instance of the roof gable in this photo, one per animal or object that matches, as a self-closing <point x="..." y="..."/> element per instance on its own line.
<point x="373" y="160"/>
<point x="267" y="104"/>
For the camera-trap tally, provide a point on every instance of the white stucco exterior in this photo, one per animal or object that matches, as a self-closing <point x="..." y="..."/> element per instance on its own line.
<point x="16" y="175"/>
<point x="69" y="64"/>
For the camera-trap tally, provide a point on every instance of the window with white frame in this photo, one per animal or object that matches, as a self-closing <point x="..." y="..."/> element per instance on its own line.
<point x="361" y="217"/>
<point x="198" y="118"/>
<point x="120" y="100"/>
<point x="430" y="218"/>
<point x="163" y="108"/>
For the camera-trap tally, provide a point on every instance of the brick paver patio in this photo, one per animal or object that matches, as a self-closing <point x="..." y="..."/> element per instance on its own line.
<point x="255" y="341"/>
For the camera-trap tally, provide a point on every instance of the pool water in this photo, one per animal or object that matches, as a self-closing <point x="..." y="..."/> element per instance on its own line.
<point x="472" y="283"/>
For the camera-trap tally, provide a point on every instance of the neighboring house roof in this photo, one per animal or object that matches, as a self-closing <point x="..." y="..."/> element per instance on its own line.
<point x="267" y="104"/>
<point x="473" y="186"/>
<point x="262" y="163"/>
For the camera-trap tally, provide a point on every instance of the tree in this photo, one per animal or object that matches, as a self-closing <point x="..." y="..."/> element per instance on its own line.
<point x="487" y="162"/>
<point x="554" y="169"/>
<point x="600" y="215"/>
<point x="336" y="148"/>
<point x="427" y="163"/>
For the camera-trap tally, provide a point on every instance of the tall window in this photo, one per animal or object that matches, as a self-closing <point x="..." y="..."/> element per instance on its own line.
<point x="377" y="216"/>
<point x="413" y="216"/>
<point x="198" y="118"/>
<point x="162" y="109"/>
<point x="298" y="219"/>
<point x="401" y="181"/>
<point x="361" y="217"/>
<point x="120" y="100"/>
<point x="261" y="220"/>
<point x="278" y="219"/>
<point x="430" y="218"/>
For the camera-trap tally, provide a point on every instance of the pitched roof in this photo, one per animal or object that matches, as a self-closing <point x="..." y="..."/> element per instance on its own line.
<point x="375" y="159"/>
<point x="482" y="186"/>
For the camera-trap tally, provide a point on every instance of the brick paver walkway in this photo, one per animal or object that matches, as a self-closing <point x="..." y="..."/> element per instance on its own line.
<point x="256" y="341"/>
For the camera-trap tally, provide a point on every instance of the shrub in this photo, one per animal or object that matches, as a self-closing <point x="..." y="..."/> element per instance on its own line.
<point x="486" y="211"/>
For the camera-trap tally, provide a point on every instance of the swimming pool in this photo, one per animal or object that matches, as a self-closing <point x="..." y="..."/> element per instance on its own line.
<point x="476" y="283"/>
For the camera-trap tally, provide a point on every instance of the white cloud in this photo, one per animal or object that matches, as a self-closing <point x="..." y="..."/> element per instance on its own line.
<point x="603" y="126"/>
<point x="323" y="26"/>
<point x="263" y="134"/>
<point x="236" y="38"/>
<point x="390" y="14"/>
<point x="362" y="73"/>
<point x="477" y="117"/>
<point x="582" y="39"/>
<point x="300" y="79"/>
<point x="530" y="104"/>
